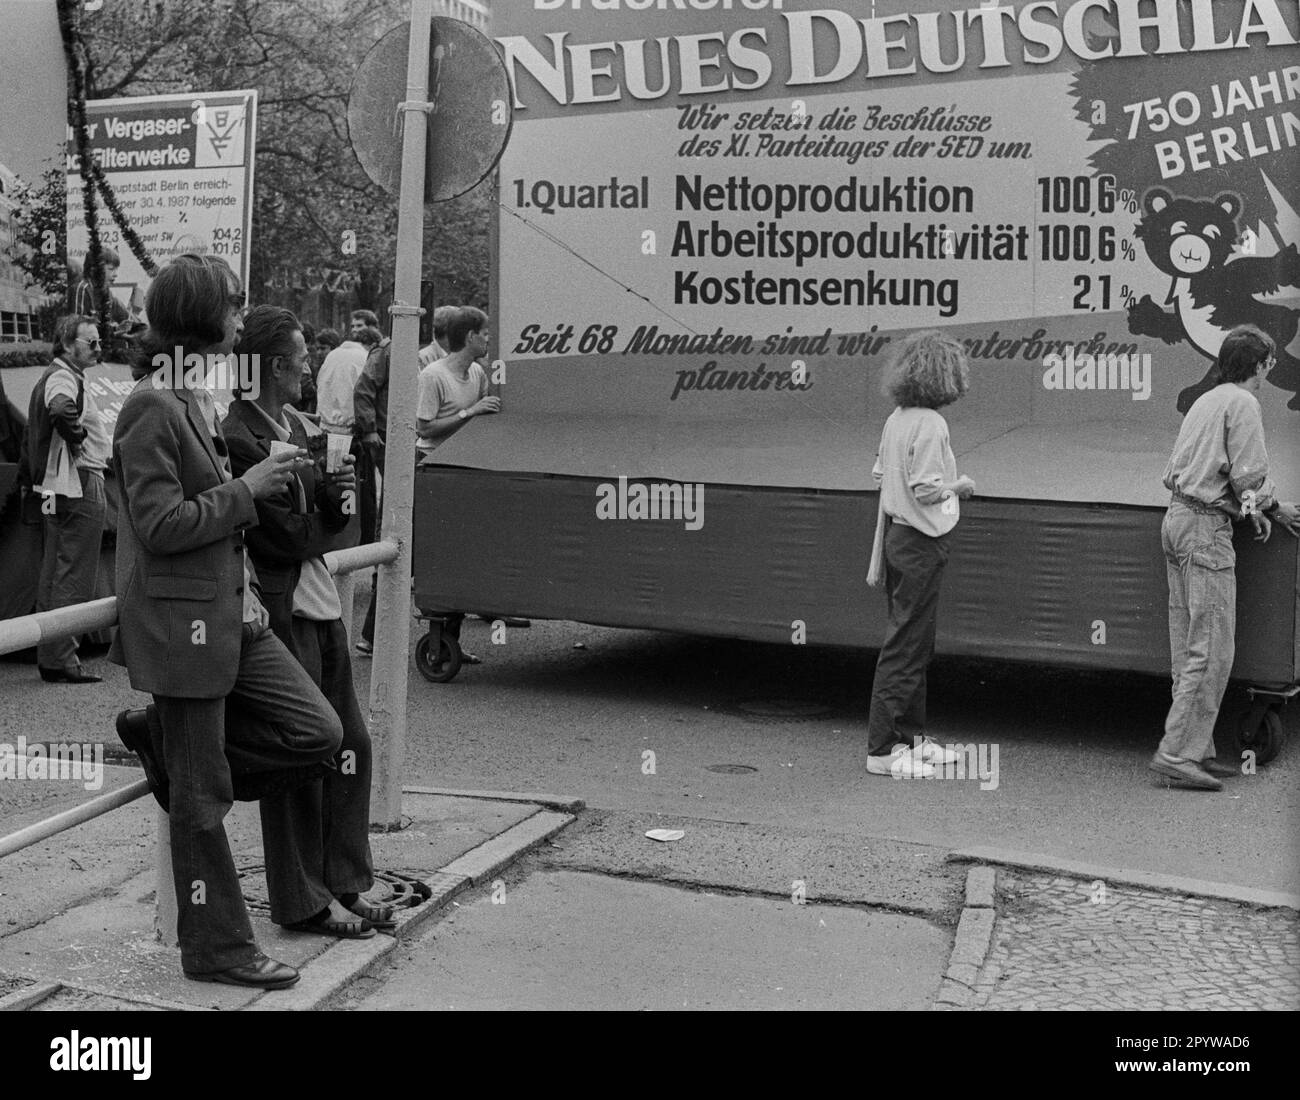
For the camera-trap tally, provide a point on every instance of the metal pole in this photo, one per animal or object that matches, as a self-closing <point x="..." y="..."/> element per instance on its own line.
<point x="52" y="826"/>
<point x="165" y="913"/>
<point x="388" y="677"/>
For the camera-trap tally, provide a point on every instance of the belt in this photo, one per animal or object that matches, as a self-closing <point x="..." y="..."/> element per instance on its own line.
<point x="1197" y="505"/>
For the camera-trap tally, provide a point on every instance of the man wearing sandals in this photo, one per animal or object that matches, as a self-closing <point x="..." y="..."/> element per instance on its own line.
<point x="316" y="837"/>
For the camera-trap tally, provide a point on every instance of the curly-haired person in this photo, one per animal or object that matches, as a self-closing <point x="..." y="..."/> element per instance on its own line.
<point x="919" y="490"/>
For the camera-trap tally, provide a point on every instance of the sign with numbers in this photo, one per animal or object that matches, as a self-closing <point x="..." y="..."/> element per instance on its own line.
<point x="182" y="169"/>
<point x="741" y="208"/>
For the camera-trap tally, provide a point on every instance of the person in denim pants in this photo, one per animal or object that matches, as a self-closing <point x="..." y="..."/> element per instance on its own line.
<point x="1218" y="473"/>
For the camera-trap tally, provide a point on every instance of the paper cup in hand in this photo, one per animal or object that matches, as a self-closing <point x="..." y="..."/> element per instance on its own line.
<point x="337" y="447"/>
<point x="278" y="448"/>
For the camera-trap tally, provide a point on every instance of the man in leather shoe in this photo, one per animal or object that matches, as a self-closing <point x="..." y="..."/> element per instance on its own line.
<point x="231" y="701"/>
<point x="141" y="732"/>
<point x="261" y="971"/>
<point x="1218" y="473"/>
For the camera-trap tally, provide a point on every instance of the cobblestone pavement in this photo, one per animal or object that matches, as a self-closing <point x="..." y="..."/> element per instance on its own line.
<point x="1062" y="943"/>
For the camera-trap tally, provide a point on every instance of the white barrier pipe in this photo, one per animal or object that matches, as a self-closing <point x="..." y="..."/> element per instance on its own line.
<point x="29" y="630"/>
<point x="45" y="626"/>
<point x="367" y="556"/>
<point x="26" y="631"/>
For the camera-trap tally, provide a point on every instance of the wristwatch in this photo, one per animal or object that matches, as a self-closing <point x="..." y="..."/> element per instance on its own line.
<point x="1272" y="508"/>
<point x="463" y="414"/>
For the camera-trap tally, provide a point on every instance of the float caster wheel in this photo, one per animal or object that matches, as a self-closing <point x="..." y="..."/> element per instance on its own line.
<point x="1261" y="731"/>
<point x="447" y="663"/>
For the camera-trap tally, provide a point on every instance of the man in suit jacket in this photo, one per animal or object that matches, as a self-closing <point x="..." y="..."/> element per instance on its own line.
<point x="316" y="837"/>
<point x="229" y="699"/>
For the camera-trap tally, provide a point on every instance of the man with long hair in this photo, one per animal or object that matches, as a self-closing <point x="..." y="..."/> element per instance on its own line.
<point x="1218" y="473"/>
<point x="233" y="712"/>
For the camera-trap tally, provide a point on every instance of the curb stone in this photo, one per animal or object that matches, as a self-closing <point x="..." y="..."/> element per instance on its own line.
<point x="562" y="803"/>
<point x="28" y="997"/>
<point x="1122" y="876"/>
<point x="343" y="963"/>
<point x="970" y="949"/>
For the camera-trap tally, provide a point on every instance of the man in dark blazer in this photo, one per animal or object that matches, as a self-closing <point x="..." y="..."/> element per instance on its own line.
<point x="230" y="702"/>
<point x="316" y="836"/>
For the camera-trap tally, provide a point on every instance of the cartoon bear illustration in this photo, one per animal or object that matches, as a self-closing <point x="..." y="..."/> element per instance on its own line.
<point x="1191" y="240"/>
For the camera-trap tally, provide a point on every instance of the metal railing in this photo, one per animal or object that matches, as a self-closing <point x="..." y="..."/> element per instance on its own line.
<point x="29" y="630"/>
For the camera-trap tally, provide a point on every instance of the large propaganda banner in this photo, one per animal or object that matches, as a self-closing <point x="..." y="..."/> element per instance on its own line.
<point x="731" y="210"/>
<point x="181" y="167"/>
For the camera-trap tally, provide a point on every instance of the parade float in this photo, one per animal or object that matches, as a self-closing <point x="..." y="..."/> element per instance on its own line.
<point x="716" y="219"/>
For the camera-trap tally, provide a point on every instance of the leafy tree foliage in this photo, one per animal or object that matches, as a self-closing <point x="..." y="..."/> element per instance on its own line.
<point x="40" y="231"/>
<point x="315" y="210"/>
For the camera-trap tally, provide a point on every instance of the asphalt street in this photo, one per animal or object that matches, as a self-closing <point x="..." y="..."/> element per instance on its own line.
<point x="634" y="721"/>
<point x="1072" y="749"/>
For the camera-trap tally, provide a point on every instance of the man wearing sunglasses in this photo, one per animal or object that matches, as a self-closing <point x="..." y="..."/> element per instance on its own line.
<point x="68" y="449"/>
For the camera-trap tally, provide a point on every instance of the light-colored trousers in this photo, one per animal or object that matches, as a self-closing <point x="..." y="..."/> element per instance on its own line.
<point x="1201" y="565"/>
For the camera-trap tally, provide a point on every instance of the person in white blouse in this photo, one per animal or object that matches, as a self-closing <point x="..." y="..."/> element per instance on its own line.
<point x="919" y="494"/>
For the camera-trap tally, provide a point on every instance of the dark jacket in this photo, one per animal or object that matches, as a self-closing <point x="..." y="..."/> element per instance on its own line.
<point x="180" y="548"/>
<point x="287" y="533"/>
<point x="13" y="428"/>
<point x="63" y="417"/>
<point x="370" y="398"/>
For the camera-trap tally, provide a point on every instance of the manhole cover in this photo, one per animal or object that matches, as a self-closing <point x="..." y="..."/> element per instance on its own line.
<point x="393" y="888"/>
<point x="786" y="709"/>
<point x="730" y="769"/>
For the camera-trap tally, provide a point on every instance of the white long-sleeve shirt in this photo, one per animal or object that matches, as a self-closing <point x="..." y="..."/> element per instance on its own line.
<point x="915" y="458"/>
<point x="336" y="383"/>
<point x="1219" y="455"/>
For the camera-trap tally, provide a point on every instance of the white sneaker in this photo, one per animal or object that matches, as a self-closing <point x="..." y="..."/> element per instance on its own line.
<point x="929" y="750"/>
<point x="901" y="764"/>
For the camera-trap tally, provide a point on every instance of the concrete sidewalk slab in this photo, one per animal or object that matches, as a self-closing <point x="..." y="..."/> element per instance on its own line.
<point x="99" y="949"/>
<point x="566" y="940"/>
<point x="761" y="859"/>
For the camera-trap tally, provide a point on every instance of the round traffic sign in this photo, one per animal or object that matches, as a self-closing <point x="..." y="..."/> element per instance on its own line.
<point x="469" y="124"/>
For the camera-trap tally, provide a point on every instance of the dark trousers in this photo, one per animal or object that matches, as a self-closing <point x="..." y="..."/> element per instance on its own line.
<point x="317" y="835"/>
<point x="914" y="565"/>
<point x="274" y="719"/>
<point x="370" y="462"/>
<point x="372" y="506"/>
<point x="70" y="561"/>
